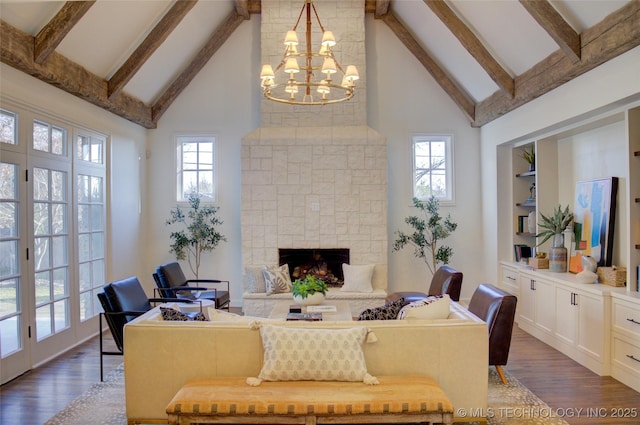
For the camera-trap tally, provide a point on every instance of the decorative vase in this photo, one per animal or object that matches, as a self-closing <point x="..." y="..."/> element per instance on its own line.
<point x="532" y="166"/>
<point x="311" y="299"/>
<point x="589" y="263"/>
<point x="558" y="254"/>
<point x="531" y="222"/>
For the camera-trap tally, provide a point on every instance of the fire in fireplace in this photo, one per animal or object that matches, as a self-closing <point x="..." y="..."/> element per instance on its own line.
<point x="323" y="263"/>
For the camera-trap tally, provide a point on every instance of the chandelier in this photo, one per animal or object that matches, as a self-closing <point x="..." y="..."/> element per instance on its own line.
<point x="316" y="86"/>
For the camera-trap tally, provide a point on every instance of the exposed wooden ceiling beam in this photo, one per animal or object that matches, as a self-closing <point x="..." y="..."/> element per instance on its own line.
<point x="552" y="22"/>
<point x="473" y="45"/>
<point x="382" y="8"/>
<point x="149" y="45"/>
<point x="52" y="34"/>
<point x="17" y="50"/>
<point x="218" y="38"/>
<point x="242" y="8"/>
<point x="611" y="37"/>
<point x="459" y="96"/>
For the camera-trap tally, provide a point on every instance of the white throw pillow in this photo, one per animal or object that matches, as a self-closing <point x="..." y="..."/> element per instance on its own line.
<point x="254" y="280"/>
<point x="312" y="354"/>
<point x="357" y="278"/>
<point x="277" y="279"/>
<point x="431" y="308"/>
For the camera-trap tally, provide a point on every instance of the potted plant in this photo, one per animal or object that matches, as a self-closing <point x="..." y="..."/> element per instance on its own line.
<point x="529" y="155"/>
<point x="427" y="232"/>
<point x="553" y="226"/>
<point x="309" y="291"/>
<point x="199" y="233"/>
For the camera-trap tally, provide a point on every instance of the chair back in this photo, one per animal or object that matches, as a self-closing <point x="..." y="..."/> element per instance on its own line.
<point x="446" y="281"/>
<point x="498" y="309"/>
<point x="170" y="275"/>
<point x="127" y="295"/>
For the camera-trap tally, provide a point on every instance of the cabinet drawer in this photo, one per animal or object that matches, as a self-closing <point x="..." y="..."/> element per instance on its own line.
<point x="626" y="317"/>
<point x="626" y="354"/>
<point x="510" y="280"/>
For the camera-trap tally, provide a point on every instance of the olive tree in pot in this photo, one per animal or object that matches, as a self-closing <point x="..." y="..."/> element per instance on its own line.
<point x="428" y="230"/>
<point x="199" y="232"/>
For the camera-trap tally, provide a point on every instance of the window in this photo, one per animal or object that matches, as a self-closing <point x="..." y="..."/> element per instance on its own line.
<point x="49" y="138"/>
<point x="90" y="148"/>
<point x="433" y="166"/>
<point x="8" y="121"/>
<point x="195" y="167"/>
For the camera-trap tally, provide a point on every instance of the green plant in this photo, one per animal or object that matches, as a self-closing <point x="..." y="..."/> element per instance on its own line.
<point x="308" y="286"/>
<point x="529" y="155"/>
<point x="554" y="224"/>
<point x="199" y="233"/>
<point x="427" y="232"/>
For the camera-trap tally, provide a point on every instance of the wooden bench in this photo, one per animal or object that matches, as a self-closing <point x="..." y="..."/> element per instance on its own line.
<point x="397" y="399"/>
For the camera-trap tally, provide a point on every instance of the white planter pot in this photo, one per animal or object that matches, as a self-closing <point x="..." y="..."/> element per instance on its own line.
<point x="313" y="299"/>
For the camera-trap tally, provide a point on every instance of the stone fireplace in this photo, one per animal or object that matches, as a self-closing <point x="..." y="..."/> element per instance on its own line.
<point x="315" y="177"/>
<point x="323" y="263"/>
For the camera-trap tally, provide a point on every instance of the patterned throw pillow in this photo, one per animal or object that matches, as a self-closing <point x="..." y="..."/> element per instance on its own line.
<point x="277" y="279"/>
<point x="313" y="354"/>
<point x="386" y="312"/>
<point x="172" y="314"/>
<point x="431" y="308"/>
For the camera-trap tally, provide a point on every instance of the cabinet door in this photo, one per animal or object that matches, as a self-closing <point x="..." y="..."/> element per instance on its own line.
<point x="545" y="305"/>
<point x="526" y="301"/>
<point x="590" y="325"/>
<point x="566" y="315"/>
<point x="509" y="280"/>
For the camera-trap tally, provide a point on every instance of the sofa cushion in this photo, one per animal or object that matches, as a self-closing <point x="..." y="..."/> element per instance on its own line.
<point x="277" y="279"/>
<point x="430" y="308"/>
<point x="313" y="354"/>
<point x="388" y="311"/>
<point x="253" y="280"/>
<point x="172" y="314"/>
<point x="357" y="278"/>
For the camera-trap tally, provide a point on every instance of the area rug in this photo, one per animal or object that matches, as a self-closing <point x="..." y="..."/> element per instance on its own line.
<point x="511" y="404"/>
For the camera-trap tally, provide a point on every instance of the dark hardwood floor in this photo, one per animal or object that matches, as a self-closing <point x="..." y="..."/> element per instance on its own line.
<point x="562" y="383"/>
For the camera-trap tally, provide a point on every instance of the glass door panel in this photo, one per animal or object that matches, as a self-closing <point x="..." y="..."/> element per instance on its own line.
<point x="14" y="348"/>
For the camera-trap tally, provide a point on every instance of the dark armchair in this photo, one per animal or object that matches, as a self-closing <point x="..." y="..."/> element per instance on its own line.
<point x="498" y="309"/>
<point x="122" y="301"/>
<point x="171" y="282"/>
<point x="446" y="280"/>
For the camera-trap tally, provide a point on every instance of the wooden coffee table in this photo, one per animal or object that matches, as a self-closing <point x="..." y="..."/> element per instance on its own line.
<point x="343" y="310"/>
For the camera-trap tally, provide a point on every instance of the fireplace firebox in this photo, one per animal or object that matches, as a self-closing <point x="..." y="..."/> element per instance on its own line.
<point x="323" y="263"/>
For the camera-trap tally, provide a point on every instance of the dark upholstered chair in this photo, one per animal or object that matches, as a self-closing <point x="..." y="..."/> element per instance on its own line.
<point x="122" y="301"/>
<point x="446" y="280"/>
<point x="498" y="309"/>
<point x="172" y="282"/>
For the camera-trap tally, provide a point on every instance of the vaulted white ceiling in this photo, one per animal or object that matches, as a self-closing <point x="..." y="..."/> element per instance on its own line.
<point x="110" y="31"/>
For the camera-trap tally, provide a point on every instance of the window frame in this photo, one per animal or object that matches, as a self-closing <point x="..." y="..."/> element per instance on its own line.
<point x="449" y="174"/>
<point x="179" y="140"/>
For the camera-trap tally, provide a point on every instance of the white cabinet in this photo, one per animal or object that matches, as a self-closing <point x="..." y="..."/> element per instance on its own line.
<point x="581" y="326"/>
<point x="537" y="310"/>
<point x="625" y="340"/>
<point x="572" y="317"/>
<point x="509" y="279"/>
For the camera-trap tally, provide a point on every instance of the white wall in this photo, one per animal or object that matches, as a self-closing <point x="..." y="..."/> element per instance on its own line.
<point x="403" y="100"/>
<point x="126" y="144"/>
<point x="223" y="99"/>
<point x="607" y="88"/>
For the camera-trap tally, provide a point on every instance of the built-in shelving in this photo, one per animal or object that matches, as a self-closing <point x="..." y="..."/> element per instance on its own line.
<point x="526" y="174"/>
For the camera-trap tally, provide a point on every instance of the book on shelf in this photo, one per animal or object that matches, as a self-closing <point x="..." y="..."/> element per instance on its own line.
<point x="329" y="309"/>
<point x="309" y="317"/>
<point x="522" y="251"/>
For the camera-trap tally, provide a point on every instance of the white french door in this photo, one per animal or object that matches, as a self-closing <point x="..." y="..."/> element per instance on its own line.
<point x="52" y="237"/>
<point x="15" y="348"/>
<point x="49" y="257"/>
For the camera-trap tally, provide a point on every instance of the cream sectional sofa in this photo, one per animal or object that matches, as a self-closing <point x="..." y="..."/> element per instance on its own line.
<point x="160" y="356"/>
<point x="260" y="304"/>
